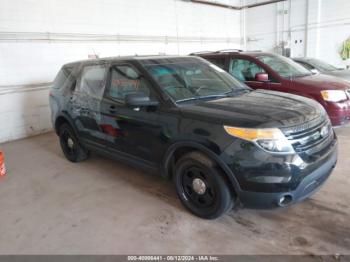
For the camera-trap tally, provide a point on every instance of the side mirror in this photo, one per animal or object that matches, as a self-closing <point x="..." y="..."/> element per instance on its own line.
<point x="262" y="77"/>
<point x="139" y="99"/>
<point x="314" y="71"/>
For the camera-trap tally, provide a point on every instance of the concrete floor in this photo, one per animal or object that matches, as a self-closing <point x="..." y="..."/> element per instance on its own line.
<point x="51" y="206"/>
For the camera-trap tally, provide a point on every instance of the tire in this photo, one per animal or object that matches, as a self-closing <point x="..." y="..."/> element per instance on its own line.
<point x="71" y="147"/>
<point x="208" y="200"/>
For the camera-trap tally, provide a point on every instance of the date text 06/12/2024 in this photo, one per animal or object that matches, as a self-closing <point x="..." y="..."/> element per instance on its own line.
<point x="173" y="258"/>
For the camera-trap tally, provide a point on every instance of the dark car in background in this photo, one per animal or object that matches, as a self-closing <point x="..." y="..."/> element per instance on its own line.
<point x="190" y="121"/>
<point x="261" y="70"/>
<point x="319" y="66"/>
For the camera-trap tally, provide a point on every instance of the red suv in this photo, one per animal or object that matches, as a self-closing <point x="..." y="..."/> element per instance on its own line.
<point x="261" y="70"/>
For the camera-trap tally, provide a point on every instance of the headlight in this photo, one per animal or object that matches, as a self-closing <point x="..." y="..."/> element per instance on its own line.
<point x="334" y="95"/>
<point x="269" y="139"/>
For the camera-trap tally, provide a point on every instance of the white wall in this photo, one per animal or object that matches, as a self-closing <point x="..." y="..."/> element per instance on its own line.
<point x="328" y="25"/>
<point x="38" y="36"/>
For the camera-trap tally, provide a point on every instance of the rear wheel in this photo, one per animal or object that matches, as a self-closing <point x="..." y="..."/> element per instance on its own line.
<point x="70" y="144"/>
<point x="202" y="187"/>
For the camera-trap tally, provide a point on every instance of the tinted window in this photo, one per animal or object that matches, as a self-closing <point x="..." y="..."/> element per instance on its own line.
<point x="93" y="80"/>
<point x="220" y="62"/>
<point x="307" y="66"/>
<point x="323" y="66"/>
<point x="64" y="78"/>
<point x="244" y="70"/>
<point x="285" y="67"/>
<point x="126" y="80"/>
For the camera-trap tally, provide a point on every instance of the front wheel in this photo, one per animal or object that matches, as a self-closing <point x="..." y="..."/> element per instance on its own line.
<point x="202" y="187"/>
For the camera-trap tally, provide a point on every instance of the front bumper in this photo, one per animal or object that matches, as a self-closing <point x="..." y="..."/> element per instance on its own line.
<point x="308" y="186"/>
<point x="264" y="178"/>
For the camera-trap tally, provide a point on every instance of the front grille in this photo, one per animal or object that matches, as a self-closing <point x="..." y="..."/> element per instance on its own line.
<point x="311" y="137"/>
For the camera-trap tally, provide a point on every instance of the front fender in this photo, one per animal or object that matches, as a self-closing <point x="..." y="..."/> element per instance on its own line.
<point x="202" y="148"/>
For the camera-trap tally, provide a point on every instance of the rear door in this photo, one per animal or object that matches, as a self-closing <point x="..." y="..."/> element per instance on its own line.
<point x="86" y="100"/>
<point x="132" y="130"/>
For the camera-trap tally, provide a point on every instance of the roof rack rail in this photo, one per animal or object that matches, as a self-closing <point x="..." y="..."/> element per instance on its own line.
<point x="228" y="50"/>
<point x="201" y="52"/>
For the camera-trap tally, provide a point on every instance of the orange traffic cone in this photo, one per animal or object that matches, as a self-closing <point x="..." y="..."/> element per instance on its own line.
<point x="2" y="165"/>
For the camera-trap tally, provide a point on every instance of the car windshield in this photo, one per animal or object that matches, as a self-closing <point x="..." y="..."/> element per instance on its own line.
<point x="323" y="66"/>
<point x="285" y="67"/>
<point x="188" y="79"/>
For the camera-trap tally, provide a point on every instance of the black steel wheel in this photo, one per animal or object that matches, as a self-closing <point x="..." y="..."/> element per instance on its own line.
<point x="71" y="147"/>
<point x="202" y="187"/>
<point x="198" y="186"/>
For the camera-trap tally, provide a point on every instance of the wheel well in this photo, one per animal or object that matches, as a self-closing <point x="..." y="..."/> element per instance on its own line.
<point x="179" y="152"/>
<point x="182" y="151"/>
<point x="59" y="121"/>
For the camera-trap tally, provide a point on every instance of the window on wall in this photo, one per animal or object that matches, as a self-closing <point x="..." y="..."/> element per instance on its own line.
<point x="93" y="80"/>
<point x="126" y="80"/>
<point x="244" y="70"/>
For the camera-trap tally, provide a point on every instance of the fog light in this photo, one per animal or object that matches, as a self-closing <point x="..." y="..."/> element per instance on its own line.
<point x="270" y="179"/>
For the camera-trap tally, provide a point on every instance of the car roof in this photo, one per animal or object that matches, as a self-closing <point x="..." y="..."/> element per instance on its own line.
<point x="231" y="53"/>
<point x="124" y="58"/>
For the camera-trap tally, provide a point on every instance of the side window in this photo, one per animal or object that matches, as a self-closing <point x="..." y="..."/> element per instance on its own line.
<point x="64" y="78"/>
<point x="93" y="81"/>
<point x="126" y="80"/>
<point x="244" y="70"/>
<point x="307" y="66"/>
<point x="220" y="62"/>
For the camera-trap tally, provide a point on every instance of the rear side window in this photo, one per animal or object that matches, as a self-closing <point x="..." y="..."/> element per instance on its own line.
<point x="220" y="62"/>
<point x="93" y="80"/>
<point x="64" y="78"/>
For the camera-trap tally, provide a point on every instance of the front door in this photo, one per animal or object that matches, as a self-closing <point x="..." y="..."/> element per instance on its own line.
<point x="132" y="130"/>
<point x="245" y="71"/>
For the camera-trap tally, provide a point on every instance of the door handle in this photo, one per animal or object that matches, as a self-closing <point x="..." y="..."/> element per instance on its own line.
<point x="84" y="110"/>
<point x="112" y="109"/>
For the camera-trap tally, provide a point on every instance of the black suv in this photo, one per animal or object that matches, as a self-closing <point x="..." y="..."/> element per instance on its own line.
<point x="219" y="140"/>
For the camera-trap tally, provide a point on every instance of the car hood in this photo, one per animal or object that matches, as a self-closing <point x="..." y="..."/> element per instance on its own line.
<point x="322" y="82"/>
<point x="260" y="108"/>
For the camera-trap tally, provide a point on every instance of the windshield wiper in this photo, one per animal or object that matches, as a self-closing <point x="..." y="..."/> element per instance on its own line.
<point x="201" y="97"/>
<point x="237" y="90"/>
<point x="226" y="94"/>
